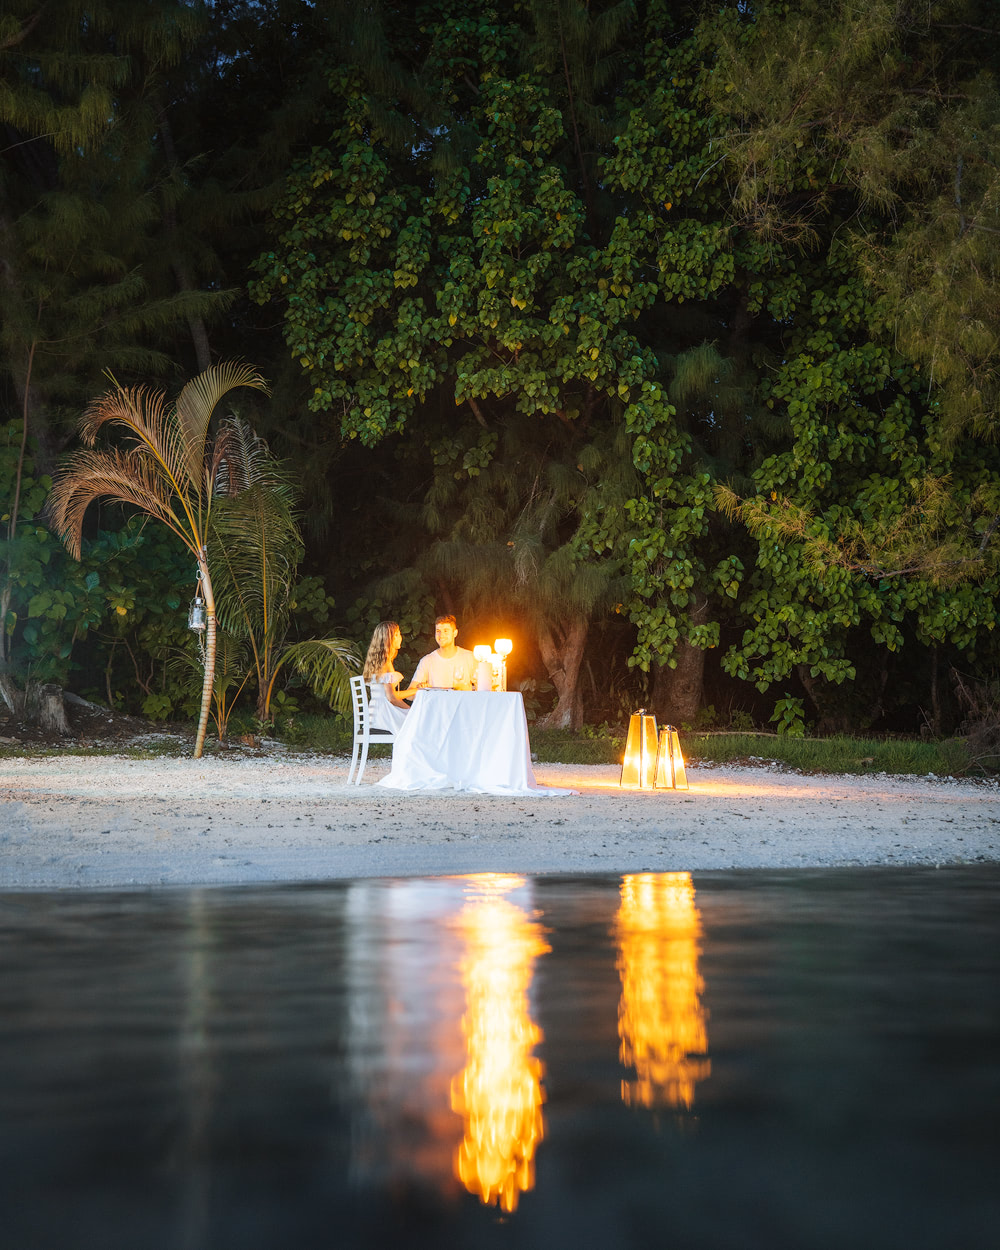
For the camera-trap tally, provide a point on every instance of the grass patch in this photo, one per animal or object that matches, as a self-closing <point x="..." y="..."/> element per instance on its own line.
<point x="808" y="755"/>
<point x="603" y="744"/>
<point x="899" y="756"/>
<point x="171" y="749"/>
<point x="563" y="746"/>
<point x="330" y="735"/>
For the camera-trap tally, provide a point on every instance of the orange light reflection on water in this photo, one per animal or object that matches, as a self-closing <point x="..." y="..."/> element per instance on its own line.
<point x="499" y="1091"/>
<point x="662" y="1026"/>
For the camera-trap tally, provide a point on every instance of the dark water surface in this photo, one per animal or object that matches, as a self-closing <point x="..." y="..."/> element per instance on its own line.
<point x="784" y="1059"/>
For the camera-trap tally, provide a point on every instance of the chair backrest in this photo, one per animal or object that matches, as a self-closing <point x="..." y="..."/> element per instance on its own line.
<point x="359" y="702"/>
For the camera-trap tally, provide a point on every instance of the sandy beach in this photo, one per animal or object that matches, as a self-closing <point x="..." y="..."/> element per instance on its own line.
<point x="108" y="822"/>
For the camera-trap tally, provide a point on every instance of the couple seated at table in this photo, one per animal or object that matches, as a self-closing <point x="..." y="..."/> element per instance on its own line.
<point x="447" y="667"/>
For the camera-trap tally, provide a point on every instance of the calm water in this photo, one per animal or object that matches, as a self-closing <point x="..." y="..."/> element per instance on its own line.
<point x="738" y="1060"/>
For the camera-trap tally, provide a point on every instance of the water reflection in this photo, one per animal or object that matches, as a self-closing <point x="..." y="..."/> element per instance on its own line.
<point x="661" y="1021"/>
<point x="362" y="1063"/>
<point x="403" y="1006"/>
<point x="498" y="1093"/>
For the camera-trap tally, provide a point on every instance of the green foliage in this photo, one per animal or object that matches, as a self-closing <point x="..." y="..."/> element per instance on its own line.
<point x="124" y="593"/>
<point x="575" y="285"/>
<point x="87" y="219"/>
<point x="789" y="716"/>
<point x="256" y="548"/>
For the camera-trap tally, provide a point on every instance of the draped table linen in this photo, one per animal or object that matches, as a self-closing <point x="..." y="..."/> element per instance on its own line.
<point x="475" y="741"/>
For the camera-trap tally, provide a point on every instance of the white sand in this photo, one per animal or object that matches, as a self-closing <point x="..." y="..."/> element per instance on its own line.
<point x="88" y="821"/>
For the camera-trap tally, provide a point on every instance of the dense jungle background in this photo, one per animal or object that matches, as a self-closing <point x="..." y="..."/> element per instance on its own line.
<point x="659" y="337"/>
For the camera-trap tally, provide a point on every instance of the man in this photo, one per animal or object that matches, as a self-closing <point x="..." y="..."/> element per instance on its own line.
<point x="450" y="666"/>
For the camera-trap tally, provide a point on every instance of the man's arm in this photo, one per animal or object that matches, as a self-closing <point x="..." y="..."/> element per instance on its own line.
<point x="420" y="679"/>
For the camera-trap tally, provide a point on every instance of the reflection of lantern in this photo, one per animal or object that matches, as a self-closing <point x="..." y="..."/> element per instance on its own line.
<point x="670" y="771"/>
<point x="196" y="614"/>
<point x="503" y="647"/>
<point x="662" y="1024"/>
<point x="484" y="666"/>
<point x="639" y="764"/>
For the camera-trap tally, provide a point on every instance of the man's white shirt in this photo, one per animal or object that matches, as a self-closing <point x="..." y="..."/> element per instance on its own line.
<point x="442" y="673"/>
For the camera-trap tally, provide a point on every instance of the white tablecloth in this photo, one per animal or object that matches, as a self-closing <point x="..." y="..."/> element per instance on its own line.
<point x="465" y="740"/>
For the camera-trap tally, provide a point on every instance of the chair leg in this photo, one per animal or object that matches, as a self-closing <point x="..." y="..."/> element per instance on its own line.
<point x="364" y="760"/>
<point x="354" y="759"/>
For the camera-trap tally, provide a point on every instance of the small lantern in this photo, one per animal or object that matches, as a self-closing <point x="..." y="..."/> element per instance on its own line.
<point x="484" y="666"/>
<point x="197" y="619"/>
<point x="503" y="647"/>
<point x="639" y="764"/>
<point x="670" y="771"/>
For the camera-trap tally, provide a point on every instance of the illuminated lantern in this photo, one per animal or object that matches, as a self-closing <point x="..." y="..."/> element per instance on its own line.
<point x="197" y="619"/>
<point x="670" y="771"/>
<point x="503" y="647"/>
<point x="639" y="764"/>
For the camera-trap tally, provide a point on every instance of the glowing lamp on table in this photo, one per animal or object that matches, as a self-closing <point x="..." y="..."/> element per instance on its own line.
<point x="503" y="647"/>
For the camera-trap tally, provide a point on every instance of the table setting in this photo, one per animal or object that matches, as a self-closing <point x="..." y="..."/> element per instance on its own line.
<point x="474" y="741"/>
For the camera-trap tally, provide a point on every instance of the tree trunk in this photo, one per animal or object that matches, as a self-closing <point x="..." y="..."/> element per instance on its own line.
<point x="52" y="710"/>
<point x="677" y="692"/>
<point x="209" y="680"/>
<point x="561" y="648"/>
<point x="7" y="593"/>
<point x="828" y="720"/>
<point x="935" y="694"/>
<point x="12" y="695"/>
<point x="199" y="334"/>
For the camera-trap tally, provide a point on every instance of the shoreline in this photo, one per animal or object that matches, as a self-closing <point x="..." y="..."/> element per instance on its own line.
<point x="107" y="822"/>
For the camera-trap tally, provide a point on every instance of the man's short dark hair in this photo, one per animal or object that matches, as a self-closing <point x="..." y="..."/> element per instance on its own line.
<point x="446" y="620"/>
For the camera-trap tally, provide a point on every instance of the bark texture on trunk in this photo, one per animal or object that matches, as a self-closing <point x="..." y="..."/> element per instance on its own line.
<point x="12" y="695"/>
<point x="52" y="711"/>
<point x="561" y="648"/>
<point x="828" y="720"/>
<point x="678" y="692"/>
<point x="209" y="679"/>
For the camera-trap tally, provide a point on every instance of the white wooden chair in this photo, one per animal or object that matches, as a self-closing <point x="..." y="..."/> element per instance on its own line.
<point x="363" y="732"/>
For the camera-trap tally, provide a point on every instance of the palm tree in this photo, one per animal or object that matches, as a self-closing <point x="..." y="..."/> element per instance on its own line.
<point x="169" y="468"/>
<point x="255" y="559"/>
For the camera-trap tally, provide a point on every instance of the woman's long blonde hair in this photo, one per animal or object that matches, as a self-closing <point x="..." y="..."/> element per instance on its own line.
<point x="378" y="650"/>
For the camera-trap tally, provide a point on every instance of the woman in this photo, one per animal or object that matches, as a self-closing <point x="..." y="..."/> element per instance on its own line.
<point x="388" y="711"/>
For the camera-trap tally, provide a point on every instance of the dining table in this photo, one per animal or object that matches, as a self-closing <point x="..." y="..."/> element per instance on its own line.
<point x="469" y="740"/>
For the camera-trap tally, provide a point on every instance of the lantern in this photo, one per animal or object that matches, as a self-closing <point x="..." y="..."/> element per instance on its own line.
<point x="197" y="619"/>
<point x="670" y="771"/>
<point x="503" y="647"/>
<point x="639" y="764"/>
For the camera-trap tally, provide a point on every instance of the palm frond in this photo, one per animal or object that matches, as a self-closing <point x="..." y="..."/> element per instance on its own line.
<point x="197" y="402"/>
<point x="255" y="554"/>
<point x="245" y="460"/>
<point x="139" y="410"/>
<point x="327" y="665"/>
<point x="127" y="477"/>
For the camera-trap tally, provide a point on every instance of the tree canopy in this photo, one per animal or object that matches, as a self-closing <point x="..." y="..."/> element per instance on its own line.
<point x="664" y="332"/>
